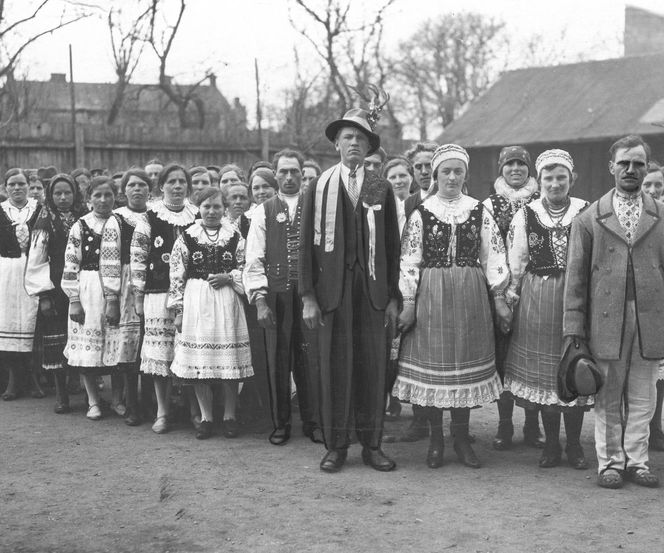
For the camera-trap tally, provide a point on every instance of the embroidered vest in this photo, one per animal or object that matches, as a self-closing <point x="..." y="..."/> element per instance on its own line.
<point x="90" y="245"/>
<point x="9" y="246"/>
<point x="163" y="236"/>
<point x="282" y="244"/>
<point x="210" y="259"/>
<point x="438" y="235"/>
<point x="126" y="234"/>
<point x="504" y="210"/>
<point x="543" y="244"/>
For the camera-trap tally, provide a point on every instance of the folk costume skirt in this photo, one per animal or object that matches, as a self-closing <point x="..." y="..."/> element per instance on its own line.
<point x="159" y="339"/>
<point x="93" y="345"/>
<point x="18" y="314"/>
<point x="214" y="342"/>
<point x="54" y="332"/>
<point x="536" y="347"/>
<point x="130" y="322"/>
<point x="448" y="359"/>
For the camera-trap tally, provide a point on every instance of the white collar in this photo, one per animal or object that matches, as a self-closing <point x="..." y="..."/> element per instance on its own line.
<point x="513" y="194"/>
<point x="176" y="218"/>
<point x="345" y="173"/>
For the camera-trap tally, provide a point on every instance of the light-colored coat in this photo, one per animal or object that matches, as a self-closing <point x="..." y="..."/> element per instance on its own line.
<point x="598" y="254"/>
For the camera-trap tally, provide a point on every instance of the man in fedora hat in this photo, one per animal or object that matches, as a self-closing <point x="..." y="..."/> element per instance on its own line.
<point x="614" y="302"/>
<point x="348" y="280"/>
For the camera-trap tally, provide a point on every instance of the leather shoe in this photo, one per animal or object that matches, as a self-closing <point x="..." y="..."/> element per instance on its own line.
<point x="503" y="439"/>
<point x="377" y="459"/>
<point x="435" y="455"/>
<point x="610" y="478"/>
<point x="465" y="454"/>
<point x="280" y="435"/>
<point x="642" y="477"/>
<point x="230" y="428"/>
<point x="204" y="430"/>
<point x="61" y="407"/>
<point x="576" y="457"/>
<point x="550" y="456"/>
<point x="312" y="431"/>
<point x="132" y="418"/>
<point x="333" y="460"/>
<point x="532" y="437"/>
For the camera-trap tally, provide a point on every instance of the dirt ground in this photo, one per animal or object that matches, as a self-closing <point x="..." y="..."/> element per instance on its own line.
<point x="71" y="485"/>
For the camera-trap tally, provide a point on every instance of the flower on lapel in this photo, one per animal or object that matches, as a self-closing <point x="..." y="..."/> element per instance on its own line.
<point x="197" y="258"/>
<point x="281" y="217"/>
<point x="373" y="191"/>
<point x="227" y="256"/>
<point x="166" y="257"/>
<point x="158" y="242"/>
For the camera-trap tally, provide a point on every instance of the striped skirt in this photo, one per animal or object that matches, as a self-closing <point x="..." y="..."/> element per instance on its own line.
<point x="448" y="359"/>
<point x="535" y="349"/>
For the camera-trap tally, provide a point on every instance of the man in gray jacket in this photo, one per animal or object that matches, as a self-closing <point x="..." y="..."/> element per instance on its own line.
<point x="614" y="301"/>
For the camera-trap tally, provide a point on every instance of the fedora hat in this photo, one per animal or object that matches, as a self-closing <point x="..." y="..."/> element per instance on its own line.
<point x="359" y="119"/>
<point x="578" y="374"/>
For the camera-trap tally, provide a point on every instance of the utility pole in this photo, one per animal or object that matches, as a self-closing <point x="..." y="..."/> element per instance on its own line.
<point x="263" y="142"/>
<point x="79" y="148"/>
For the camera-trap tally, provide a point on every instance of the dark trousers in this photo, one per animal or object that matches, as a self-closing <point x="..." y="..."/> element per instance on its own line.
<point x="291" y="346"/>
<point x="353" y="365"/>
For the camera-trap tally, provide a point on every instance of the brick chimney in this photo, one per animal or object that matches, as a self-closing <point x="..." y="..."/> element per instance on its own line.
<point x="213" y="80"/>
<point x="58" y="78"/>
<point x="644" y="32"/>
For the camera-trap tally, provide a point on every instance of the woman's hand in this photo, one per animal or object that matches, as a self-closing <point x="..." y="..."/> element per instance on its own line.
<point x="406" y="318"/>
<point x="503" y="315"/>
<point x="76" y="312"/>
<point x="46" y="307"/>
<point x="219" y="280"/>
<point x="138" y="306"/>
<point x="112" y="312"/>
<point x="178" y="322"/>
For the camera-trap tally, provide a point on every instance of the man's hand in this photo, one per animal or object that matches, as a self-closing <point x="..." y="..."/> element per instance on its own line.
<point x="219" y="280"/>
<point x="311" y="313"/>
<point x="406" y="318"/>
<point x="46" y="307"/>
<point x="112" y="312"/>
<point x="76" y="312"/>
<point x="391" y="315"/>
<point x="503" y="315"/>
<point x="266" y="318"/>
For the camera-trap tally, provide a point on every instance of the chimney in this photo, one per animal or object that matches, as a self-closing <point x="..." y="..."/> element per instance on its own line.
<point x="58" y="78"/>
<point x="213" y="80"/>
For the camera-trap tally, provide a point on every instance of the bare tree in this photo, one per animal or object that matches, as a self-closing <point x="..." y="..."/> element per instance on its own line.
<point x="161" y="41"/>
<point x="447" y="63"/>
<point x="127" y="45"/>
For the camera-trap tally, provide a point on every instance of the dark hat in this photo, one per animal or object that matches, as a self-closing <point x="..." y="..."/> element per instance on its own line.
<point x="578" y="374"/>
<point x="45" y="174"/>
<point x="510" y="153"/>
<point x="359" y="119"/>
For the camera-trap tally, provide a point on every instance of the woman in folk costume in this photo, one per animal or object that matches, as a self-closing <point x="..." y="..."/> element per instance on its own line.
<point x="537" y="254"/>
<point x="64" y="205"/>
<point x="151" y="247"/>
<point x="450" y="250"/>
<point x="92" y="281"/>
<point x="206" y="295"/>
<point x="18" y="316"/>
<point x="135" y="185"/>
<point x="513" y="189"/>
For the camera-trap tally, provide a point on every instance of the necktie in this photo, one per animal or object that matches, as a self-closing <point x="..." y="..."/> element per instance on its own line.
<point x="353" y="191"/>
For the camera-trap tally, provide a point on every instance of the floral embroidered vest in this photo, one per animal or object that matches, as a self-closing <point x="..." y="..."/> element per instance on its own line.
<point x="163" y="236"/>
<point x="90" y="246"/>
<point x="547" y="247"/>
<point x="210" y="259"/>
<point x="9" y="244"/>
<point x="437" y="238"/>
<point x="504" y="210"/>
<point x="282" y="244"/>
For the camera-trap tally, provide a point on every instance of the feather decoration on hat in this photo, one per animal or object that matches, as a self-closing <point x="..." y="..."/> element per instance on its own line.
<point x="377" y="101"/>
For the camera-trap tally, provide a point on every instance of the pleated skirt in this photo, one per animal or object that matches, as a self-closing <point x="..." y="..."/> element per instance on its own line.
<point x="93" y="344"/>
<point x="18" y="310"/>
<point x="158" y="343"/>
<point x="535" y="349"/>
<point x="214" y="342"/>
<point x="448" y="359"/>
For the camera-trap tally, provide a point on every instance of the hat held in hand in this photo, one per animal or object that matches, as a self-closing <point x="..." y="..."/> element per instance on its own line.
<point x="578" y="374"/>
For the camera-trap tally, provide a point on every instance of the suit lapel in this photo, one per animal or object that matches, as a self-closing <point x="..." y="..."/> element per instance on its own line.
<point x="607" y="217"/>
<point x="648" y="219"/>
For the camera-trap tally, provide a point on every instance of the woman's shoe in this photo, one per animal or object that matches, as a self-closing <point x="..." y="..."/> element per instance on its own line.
<point x="94" y="412"/>
<point x="204" y="430"/>
<point x="61" y="407"/>
<point x="435" y="454"/>
<point x="161" y="425"/>
<point x="503" y="439"/>
<point x="551" y="456"/>
<point x="576" y="457"/>
<point x="230" y="428"/>
<point x="119" y="409"/>
<point x="465" y="453"/>
<point x="132" y="417"/>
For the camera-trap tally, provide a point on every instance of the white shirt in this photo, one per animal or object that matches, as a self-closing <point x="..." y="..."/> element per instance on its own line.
<point x="359" y="176"/>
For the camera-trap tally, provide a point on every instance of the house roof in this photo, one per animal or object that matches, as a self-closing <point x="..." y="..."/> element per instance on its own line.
<point x="581" y="101"/>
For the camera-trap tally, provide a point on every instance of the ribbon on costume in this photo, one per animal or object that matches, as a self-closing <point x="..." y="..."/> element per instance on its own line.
<point x="329" y="180"/>
<point x="371" y="220"/>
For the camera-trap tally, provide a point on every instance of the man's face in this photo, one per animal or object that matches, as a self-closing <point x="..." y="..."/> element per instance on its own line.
<point x="373" y="163"/>
<point x="352" y="145"/>
<point x="629" y="168"/>
<point x="154" y="170"/>
<point x="422" y="169"/>
<point x="308" y="176"/>
<point x="289" y="175"/>
<point x="238" y="200"/>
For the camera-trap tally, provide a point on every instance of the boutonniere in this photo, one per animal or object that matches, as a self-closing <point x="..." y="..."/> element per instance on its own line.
<point x="166" y="257"/>
<point x="373" y="192"/>
<point x="158" y="242"/>
<point x="227" y="256"/>
<point x="281" y="217"/>
<point x="197" y="258"/>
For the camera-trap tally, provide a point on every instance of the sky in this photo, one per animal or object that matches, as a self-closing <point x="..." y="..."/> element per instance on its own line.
<point x="226" y="35"/>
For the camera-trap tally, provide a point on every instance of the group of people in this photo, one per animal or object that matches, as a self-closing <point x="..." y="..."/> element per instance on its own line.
<point x="374" y="282"/>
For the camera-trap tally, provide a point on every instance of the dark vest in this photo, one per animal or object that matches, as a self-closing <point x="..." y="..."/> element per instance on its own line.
<point x="504" y="210"/>
<point x="90" y="246"/>
<point x="282" y="244"/>
<point x="541" y="254"/>
<point x="437" y="235"/>
<point x="9" y="246"/>
<point x="209" y="259"/>
<point x="162" y="239"/>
